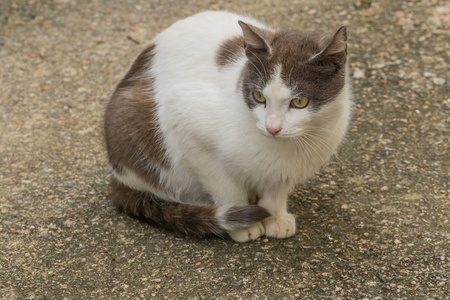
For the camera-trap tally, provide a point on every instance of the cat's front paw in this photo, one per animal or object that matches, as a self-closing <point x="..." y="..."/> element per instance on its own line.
<point x="250" y="233"/>
<point x="280" y="226"/>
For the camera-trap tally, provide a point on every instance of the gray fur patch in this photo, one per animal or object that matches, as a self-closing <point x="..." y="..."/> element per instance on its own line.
<point x="131" y="125"/>
<point x="229" y="51"/>
<point x="313" y="65"/>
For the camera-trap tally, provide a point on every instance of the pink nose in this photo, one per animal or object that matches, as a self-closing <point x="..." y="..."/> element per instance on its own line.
<point x="273" y="130"/>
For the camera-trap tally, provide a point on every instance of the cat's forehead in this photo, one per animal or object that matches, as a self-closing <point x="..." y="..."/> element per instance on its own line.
<point x="292" y="46"/>
<point x="276" y="88"/>
<point x="292" y="52"/>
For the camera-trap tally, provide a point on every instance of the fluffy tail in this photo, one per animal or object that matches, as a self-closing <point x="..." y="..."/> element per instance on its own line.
<point x="185" y="218"/>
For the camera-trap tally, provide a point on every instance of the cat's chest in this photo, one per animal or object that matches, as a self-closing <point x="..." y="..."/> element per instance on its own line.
<point x="262" y="160"/>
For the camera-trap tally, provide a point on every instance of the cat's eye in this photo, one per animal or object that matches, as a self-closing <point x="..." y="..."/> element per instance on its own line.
<point x="299" y="102"/>
<point x="259" y="97"/>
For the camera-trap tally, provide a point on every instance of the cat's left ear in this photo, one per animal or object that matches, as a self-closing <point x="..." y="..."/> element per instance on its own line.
<point x="333" y="49"/>
<point x="256" y="41"/>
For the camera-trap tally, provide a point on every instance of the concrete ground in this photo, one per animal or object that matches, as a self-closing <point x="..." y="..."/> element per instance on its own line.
<point x="373" y="224"/>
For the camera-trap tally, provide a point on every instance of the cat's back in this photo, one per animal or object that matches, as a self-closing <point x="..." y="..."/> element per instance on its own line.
<point x="190" y="45"/>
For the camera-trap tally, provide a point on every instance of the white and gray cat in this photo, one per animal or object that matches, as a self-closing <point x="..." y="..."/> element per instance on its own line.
<point x="219" y="118"/>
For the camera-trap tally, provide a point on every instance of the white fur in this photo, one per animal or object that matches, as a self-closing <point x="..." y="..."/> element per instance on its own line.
<point x="130" y="179"/>
<point x="216" y="144"/>
<point x="250" y="233"/>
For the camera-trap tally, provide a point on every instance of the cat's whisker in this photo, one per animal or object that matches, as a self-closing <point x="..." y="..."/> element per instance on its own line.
<point x="289" y="77"/>
<point x="259" y="72"/>
<point x="323" y="142"/>
<point x="313" y="146"/>
<point x="305" y="146"/>
<point x="319" y="139"/>
<point x="264" y="68"/>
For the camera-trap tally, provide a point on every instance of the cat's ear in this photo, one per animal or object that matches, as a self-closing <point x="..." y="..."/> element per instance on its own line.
<point x="255" y="41"/>
<point x="333" y="49"/>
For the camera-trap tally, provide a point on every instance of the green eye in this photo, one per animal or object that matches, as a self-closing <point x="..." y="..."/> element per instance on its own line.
<point x="299" y="102"/>
<point x="259" y="97"/>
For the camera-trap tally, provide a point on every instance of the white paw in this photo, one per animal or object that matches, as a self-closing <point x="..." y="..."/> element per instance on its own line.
<point x="250" y="233"/>
<point x="280" y="226"/>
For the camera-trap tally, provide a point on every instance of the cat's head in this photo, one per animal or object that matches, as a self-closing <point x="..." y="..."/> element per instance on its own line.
<point x="292" y="77"/>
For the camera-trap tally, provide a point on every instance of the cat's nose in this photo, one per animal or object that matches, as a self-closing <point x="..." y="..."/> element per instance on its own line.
<point x="273" y="130"/>
<point x="274" y="122"/>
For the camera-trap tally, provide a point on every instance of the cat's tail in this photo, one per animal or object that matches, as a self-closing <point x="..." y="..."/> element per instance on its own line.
<point x="185" y="218"/>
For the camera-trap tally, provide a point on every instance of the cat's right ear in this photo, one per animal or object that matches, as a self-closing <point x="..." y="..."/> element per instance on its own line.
<point x="255" y="41"/>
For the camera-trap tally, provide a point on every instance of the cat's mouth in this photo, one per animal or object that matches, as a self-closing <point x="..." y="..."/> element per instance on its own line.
<point x="279" y="136"/>
<point x="283" y="134"/>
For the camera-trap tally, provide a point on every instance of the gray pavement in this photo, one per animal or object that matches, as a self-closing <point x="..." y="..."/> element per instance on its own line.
<point x="373" y="224"/>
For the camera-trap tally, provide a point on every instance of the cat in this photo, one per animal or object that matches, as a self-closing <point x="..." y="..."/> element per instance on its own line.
<point x="219" y="118"/>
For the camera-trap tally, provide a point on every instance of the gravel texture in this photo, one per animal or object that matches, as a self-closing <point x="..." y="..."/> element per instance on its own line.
<point x="373" y="224"/>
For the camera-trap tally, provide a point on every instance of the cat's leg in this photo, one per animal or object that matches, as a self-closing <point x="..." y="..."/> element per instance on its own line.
<point x="281" y="224"/>
<point x="226" y="192"/>
<point x="249" y="233"/>
<point x="222" y="188"/>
